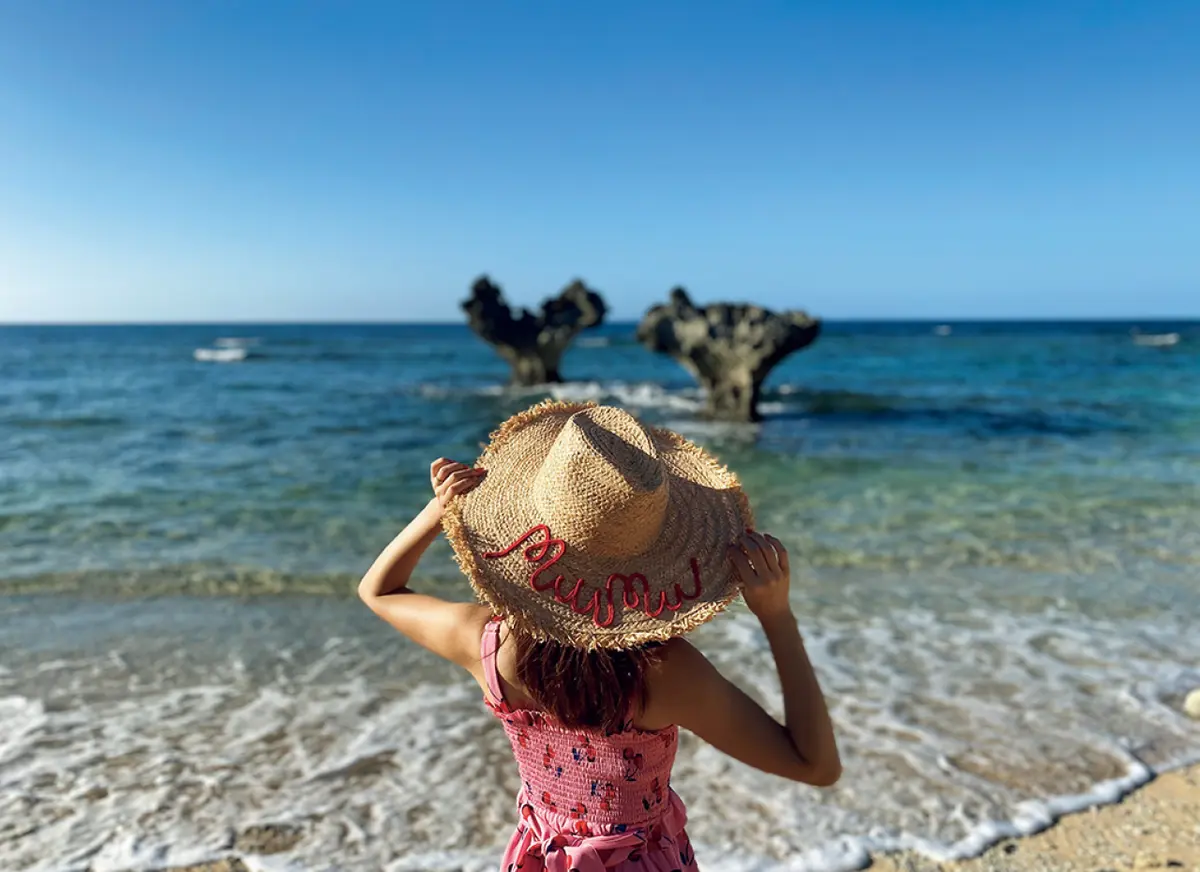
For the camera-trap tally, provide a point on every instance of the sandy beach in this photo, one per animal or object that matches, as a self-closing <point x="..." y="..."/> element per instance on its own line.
<point x="1157" y="827"/>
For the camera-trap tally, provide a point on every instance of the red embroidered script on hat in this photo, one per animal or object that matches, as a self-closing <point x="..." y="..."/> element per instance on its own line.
<point x="546" y="550"/>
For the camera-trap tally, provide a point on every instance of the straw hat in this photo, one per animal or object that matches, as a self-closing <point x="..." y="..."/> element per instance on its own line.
<point x="597" y="531"/>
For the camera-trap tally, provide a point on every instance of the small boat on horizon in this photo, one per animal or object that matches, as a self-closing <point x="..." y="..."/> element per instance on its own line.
<point x="221" y="355"/>
<point x="1154" y="340"/>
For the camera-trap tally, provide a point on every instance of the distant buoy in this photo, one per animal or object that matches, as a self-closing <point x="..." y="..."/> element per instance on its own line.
<point x="1191" y="704"/>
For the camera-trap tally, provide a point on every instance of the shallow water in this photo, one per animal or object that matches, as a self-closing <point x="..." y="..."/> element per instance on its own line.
<point x="997" y="533"/>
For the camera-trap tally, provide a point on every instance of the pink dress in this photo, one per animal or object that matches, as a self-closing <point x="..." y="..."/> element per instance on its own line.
<point x="589" y="802"/>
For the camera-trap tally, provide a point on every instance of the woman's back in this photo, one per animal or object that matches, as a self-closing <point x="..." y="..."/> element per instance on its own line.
<point x="584" y="790"/>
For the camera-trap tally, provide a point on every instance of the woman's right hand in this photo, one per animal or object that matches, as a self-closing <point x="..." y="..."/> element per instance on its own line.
<point x="450" y="479"/>
<point x="761" y="564"/>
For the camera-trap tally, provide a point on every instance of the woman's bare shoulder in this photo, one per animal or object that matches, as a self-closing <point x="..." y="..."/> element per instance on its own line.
<point x="678" y="670"/>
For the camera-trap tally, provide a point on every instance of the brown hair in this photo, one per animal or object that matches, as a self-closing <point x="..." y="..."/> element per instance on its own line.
<point x="597" y="690"/>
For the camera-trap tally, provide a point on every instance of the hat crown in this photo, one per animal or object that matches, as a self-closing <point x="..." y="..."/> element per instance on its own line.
<point x="602" y="485"/>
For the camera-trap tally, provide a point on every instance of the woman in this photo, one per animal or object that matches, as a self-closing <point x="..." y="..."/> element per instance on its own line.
<point x="595" y="543"/>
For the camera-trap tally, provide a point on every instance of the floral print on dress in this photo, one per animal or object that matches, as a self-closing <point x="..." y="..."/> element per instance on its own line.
<point x="585" y="752"/>
<point x="655" y="797"/>
<point x="548" y="762"/>
<point x="605" y="793"/>
<point x="633" y="764"/>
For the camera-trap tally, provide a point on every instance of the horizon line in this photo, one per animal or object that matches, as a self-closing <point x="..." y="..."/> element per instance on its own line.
<point x="944" y="319"/>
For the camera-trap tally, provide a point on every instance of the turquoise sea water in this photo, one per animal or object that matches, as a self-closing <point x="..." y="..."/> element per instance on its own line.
<point x="998" y="534"/>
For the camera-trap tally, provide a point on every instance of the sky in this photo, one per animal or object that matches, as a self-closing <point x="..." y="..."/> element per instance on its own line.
<point x="355" y="161"/>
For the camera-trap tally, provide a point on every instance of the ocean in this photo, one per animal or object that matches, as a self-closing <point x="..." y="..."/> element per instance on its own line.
<point x="995" y="529"/>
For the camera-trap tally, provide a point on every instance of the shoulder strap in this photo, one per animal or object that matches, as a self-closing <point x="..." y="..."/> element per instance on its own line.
<point x="489" y="645"/>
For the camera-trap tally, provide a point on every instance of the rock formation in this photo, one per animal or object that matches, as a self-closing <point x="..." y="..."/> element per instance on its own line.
<point x="729" y="347"/>
<point x="532" y="344"/>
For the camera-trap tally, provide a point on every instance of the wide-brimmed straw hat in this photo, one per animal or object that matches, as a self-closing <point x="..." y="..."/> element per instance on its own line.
<point x="594" y="530"/>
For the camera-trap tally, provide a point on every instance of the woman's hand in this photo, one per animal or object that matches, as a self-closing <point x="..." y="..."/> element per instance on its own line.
<point x="450" y="629"/>
<point x="390" y="572"/>
<point x="450" y="479"/>
<point x="761" y="564"/>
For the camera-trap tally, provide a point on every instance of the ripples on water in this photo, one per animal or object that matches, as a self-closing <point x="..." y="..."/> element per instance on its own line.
<point x="997" y="532"/>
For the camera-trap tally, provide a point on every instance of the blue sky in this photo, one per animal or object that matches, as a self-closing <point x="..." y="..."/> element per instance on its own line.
<point x="297" y="160"/>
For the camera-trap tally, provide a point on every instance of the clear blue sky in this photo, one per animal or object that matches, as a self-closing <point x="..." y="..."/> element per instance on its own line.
<point x="294" y="160"/>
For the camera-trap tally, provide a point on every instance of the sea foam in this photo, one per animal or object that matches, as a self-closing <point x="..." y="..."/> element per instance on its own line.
<point x="955" y="734"/>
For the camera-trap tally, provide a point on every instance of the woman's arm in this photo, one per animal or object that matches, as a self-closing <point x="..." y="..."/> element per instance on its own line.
<point x="689" y="691"/>
<point x="448" y="629"/>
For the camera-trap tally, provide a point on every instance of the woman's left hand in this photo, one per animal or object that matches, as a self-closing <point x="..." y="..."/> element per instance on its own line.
<point x="450" y="479"/>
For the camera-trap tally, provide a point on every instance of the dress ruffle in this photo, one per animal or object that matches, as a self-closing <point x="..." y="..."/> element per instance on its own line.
<point x="549" y="842"/>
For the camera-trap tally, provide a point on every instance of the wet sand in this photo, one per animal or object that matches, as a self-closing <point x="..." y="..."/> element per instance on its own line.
<point x="1157" y="827"/>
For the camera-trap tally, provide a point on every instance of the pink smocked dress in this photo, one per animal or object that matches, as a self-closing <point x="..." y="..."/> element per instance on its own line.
<point x="589" y="802"/>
